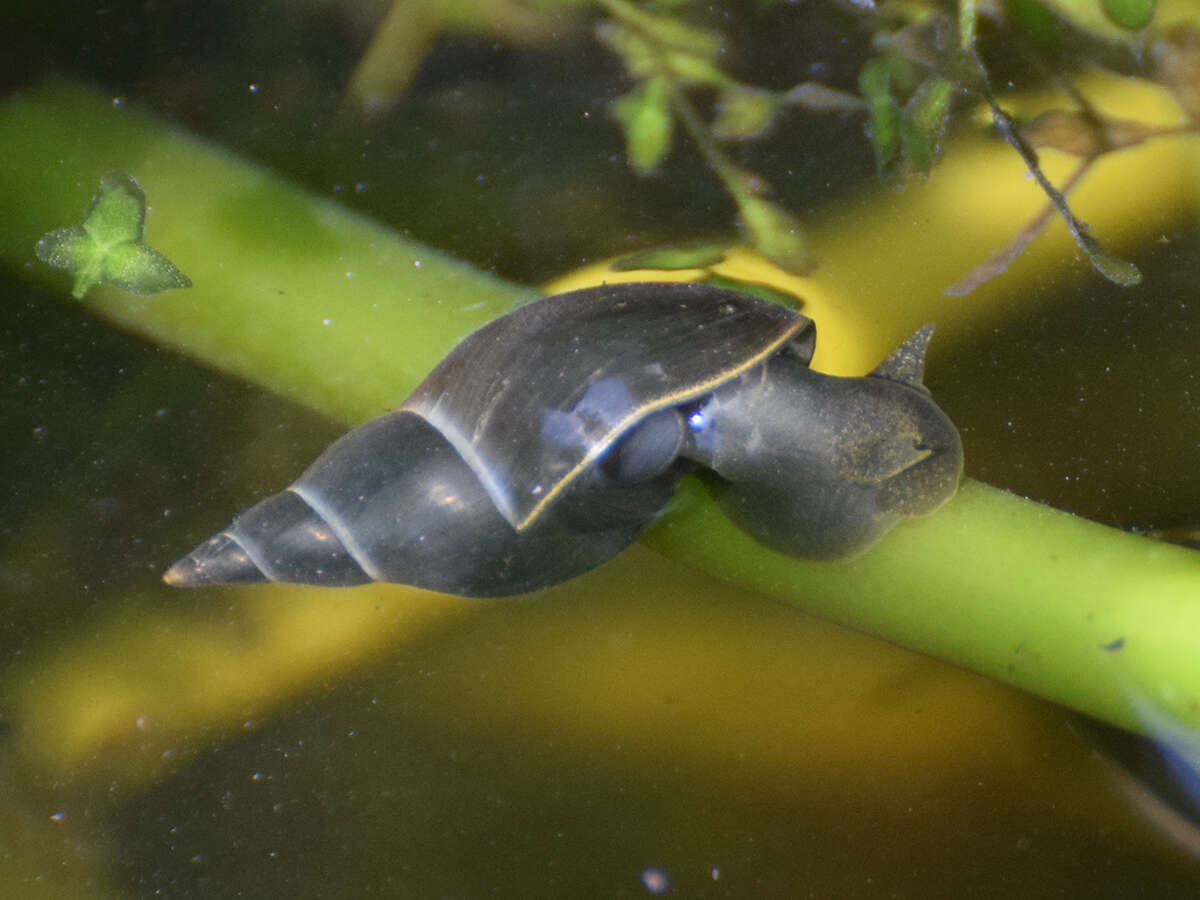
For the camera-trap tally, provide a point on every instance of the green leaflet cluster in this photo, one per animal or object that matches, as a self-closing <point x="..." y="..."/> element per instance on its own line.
<point x="108" y="246"/>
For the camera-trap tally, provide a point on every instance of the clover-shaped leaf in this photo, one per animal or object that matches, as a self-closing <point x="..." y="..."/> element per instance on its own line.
<point x="108" y="247"/>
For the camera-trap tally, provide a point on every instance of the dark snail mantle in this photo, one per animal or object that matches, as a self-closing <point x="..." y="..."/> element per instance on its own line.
<point x="546" y="440"/>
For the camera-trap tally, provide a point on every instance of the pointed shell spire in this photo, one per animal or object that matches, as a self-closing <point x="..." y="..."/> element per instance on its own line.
<point x="906" y="363"/>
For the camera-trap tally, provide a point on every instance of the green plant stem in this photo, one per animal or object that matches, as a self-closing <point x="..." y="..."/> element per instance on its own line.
<point x="313" y="301"/>
<point x="1083" y="614"/>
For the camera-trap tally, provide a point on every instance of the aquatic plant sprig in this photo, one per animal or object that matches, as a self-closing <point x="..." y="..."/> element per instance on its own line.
<point x="1116" y="270"/>
<point x="108" y="246"/>
<point x="924" y="60"/>
<point x="666" y="57"/>
<point x="925" y="46"/>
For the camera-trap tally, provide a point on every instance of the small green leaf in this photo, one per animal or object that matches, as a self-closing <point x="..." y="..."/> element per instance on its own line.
<point x="1044" y="27"/>
<point x="73" y="249"/>
<point x="1132" y="14"/>
<point x="66" y="248"/>
<point x="117" y="214"/>
<point x="674" y="258"/>
<point x="1111" y="20"/>
<point x="923" y="121"/>
<point x="692" y="69"/>
<point x="776" y="234"/>
<point x="645" y="114"/>
<point x="1115" y="269"/>
<point x="141" y="270"/>
<point x="667" y="31"/>
<point x="744" y="113"/>
<point x="107" y="247"/>
<point x="883" y="115"/>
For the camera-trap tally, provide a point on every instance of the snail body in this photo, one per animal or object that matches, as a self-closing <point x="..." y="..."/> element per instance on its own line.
<point x="548" y="439"/>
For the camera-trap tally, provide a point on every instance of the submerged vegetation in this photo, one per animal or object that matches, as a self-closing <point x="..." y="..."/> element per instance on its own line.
<point x="924" y="57"/>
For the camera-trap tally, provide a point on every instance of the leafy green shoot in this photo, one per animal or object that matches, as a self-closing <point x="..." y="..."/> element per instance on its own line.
<point x="665" y="57"/>
<point x="1116" y="270"/>
<point x="923" y="59"/>
<point x="909" y="135"/>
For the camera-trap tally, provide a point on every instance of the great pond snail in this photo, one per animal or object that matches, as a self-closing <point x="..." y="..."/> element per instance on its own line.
<point x="550" y="437"/>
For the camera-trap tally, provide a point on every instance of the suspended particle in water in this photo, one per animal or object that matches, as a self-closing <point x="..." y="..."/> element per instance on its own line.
<point x="656" y="879"/>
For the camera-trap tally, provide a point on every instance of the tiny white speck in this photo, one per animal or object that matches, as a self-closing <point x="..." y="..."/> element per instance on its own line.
<point x="349" y="274"/>
<point x="416" y="264"/>
<point x="327" y="322"/>
<point x="253" y="88"/>
<point x="58" y="816"/>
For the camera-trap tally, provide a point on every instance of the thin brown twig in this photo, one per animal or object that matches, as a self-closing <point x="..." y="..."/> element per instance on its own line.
<point x="999" y="261"/>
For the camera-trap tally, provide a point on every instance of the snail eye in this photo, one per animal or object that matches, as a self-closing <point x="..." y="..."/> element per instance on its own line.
<point x="646" y="450"/>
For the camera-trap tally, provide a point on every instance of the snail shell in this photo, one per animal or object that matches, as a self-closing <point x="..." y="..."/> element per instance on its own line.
<point x="548" y="439"/>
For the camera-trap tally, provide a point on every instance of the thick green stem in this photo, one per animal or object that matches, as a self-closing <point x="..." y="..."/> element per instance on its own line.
<point x="1094" y="618"/>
